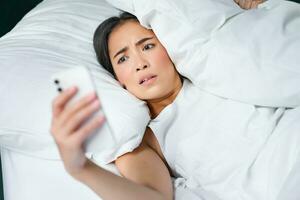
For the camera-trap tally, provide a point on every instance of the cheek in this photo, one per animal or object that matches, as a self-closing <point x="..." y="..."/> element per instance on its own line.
<point x="162" y="59"/>
<point x="123" y="75"/>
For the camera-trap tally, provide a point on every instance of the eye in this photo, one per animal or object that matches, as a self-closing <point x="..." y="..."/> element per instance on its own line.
<point x="148" y="46"/>
<point x="122" y="59"/>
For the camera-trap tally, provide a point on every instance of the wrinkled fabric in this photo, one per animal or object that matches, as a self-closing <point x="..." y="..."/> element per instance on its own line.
<point x="249" y="56"/>
<point x="227" y="149"/>
<point x="55" y="36"/>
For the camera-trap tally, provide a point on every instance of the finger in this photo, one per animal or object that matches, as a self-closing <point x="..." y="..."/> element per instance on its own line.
<point x="85" y="131"/>
<point x="77" y="106"/>
<point x="256" y="3"/>
<point x="248" y="4"/>
<point x="81" y="116"/>
<point x="242" y="3"/>
<point x="60" y="101"/>
<point x="253" y="4"/>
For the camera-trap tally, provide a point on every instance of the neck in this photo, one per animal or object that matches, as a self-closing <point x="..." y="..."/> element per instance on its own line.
<point x="157" y="105"/>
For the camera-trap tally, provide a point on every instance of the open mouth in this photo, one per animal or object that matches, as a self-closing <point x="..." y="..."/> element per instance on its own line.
<point x="147" y="80"/>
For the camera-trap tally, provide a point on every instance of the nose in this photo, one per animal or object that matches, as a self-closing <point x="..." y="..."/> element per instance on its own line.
<point x="141" y="64"/>
<point x="141" y="67"/>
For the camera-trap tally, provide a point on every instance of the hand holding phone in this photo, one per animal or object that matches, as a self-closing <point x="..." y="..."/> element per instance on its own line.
<point x="67" y="130"/>
<point x="99" y="139"/>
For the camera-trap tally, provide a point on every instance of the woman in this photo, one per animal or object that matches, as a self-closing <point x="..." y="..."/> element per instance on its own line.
<point x="141" y="64"/>
<point x="158" y="87"/>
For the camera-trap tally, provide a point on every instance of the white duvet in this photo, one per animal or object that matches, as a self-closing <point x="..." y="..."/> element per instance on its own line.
<point x="250" y="56"/>
<point x="224" y="50"/>
<point x="227" y="149"/>
<point x="245" y="56"/>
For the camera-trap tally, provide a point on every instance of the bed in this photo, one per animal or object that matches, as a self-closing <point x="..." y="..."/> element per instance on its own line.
<point x="31" y="167"/>
<point x="57" y="34"/>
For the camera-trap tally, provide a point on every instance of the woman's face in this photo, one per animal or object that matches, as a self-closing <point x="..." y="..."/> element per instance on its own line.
<point x="140" y="62"/>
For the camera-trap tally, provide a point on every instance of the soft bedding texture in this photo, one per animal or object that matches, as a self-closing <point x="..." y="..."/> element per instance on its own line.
<point x="229" y="150"/>
<point x="245" y="57"/>
<point x="54" y="36"/>
<point x="31" y="178"/>
<point x="249" y="56"/>
<point x="57" y="35"/>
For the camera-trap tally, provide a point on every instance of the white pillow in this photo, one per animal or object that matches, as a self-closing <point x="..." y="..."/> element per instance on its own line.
<point x="54" y="36"/>
<point x="245" y="55"/>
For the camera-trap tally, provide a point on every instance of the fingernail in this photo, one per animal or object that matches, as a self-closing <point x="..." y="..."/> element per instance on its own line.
<point x="96" y="103"/>
<point x="100" y="119"/>
<point x="91" y="96"/>
<point x="72" y="89"/>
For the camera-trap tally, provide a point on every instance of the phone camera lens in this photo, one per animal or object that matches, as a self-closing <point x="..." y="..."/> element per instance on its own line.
<point x="59" y="90"/>
<point x="56" y="81"/>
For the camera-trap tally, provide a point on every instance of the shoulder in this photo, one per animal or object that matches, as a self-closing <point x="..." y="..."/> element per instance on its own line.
<point x="148" y="147"/>
<point x="144" y="166"/>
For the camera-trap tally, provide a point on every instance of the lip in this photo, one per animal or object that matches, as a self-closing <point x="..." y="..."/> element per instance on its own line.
<point x="147" y="79"/>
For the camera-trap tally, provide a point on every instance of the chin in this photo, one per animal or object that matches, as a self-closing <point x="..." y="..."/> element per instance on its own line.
<point x="146" y="96"/>
<point x="152" y="93"/>
<point x="154" y="96"/>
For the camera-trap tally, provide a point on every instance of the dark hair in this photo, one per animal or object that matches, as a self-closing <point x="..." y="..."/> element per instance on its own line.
<point x="101" y="36"/>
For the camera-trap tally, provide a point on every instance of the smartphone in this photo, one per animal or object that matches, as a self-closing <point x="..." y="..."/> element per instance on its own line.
<point x="102" y="139"/>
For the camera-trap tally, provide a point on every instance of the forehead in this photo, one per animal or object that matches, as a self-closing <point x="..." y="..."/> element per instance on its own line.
<point x="128" y="32"/>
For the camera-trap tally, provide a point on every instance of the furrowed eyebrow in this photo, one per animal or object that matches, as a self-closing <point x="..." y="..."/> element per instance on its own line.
<point x="141" y="41"/>
<point x="121" y="51"/>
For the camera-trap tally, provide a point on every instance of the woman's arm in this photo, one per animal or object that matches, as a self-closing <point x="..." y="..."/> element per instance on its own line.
<point x="147" y="176"/>
<point x="145" y="167"/>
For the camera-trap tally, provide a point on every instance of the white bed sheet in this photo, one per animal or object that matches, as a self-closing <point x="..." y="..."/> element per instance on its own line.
<point x="29" y="178"/>
<point x="32" y="178"/>
<point x="290" y="189"/>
